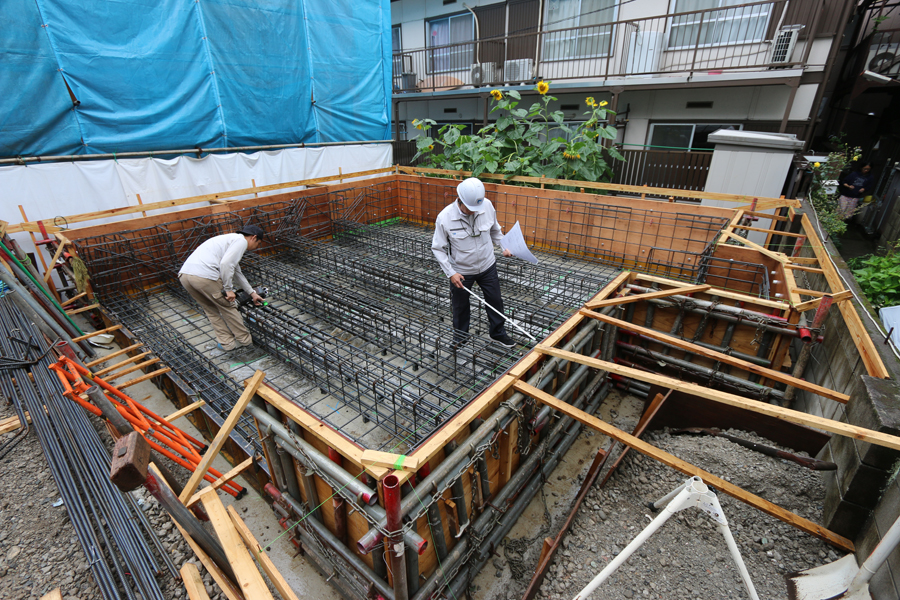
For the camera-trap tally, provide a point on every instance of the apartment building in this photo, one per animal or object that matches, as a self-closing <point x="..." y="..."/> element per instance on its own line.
<point x="674" y="70"/>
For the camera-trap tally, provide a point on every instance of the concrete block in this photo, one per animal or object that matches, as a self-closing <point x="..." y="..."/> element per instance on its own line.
<point x="859" y="483"/>
<point x="876" y="407"/>
<point x="888" y="509"/>
<point x="839" y="515"/>
<point x="867" y="539"/>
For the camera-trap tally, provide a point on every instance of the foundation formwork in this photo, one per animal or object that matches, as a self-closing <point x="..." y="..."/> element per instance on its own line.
<point x="357" y="326"/>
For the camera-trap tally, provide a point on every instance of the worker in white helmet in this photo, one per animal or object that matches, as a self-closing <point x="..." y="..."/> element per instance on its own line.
<point x="465" y="233"/>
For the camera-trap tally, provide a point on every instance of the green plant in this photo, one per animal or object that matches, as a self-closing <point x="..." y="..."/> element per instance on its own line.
<point x="879" y="277"/>
<point x="820" y="196"/>
<point x="519" y="143"/>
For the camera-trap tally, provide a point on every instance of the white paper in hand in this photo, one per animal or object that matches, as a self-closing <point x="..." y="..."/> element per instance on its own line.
<point x="515" y="243"/>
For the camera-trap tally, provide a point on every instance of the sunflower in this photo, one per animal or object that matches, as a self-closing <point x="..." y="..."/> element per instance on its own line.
<point x="604" y="103"/>
<point x="543" y="87"/>
<point x="817" y="164"/>
<point x="497" y="94"/>
<point x="590" y="101"/>
<point x="418" y="124"/>
<point x="431" y="147"/>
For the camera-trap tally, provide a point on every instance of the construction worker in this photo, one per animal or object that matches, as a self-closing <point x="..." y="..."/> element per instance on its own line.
<point x="465" y="233"/>
<point x="209" y="276"/>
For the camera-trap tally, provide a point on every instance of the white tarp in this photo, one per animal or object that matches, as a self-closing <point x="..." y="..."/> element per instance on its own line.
<point x="53" y="190"/>
<point x="890" y="317"/>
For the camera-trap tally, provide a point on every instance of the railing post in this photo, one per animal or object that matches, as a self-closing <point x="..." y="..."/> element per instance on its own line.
<point x="697" y="44"/>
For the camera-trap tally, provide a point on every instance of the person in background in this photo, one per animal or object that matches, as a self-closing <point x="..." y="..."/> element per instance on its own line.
<point x="465" y="233"/>
<point x="853" y="186"/>
<point x="209" y="276"/>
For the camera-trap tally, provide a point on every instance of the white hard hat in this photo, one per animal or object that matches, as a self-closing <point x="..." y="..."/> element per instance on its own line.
<point x="471" y="192"/>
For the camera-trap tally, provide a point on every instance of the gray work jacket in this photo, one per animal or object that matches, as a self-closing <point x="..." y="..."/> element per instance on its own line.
<point x="461" y="248"/>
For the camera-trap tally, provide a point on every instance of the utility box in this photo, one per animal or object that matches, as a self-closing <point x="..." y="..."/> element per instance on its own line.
<point x="751" y="163"/>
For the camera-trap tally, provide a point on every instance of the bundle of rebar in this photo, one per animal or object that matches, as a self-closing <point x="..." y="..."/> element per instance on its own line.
<point x="112" y="530"/>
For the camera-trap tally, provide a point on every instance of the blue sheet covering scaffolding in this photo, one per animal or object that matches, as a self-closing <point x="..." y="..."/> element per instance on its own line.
<point x="100" y="77"/>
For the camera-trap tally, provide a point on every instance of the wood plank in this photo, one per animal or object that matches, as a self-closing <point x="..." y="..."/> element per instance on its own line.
<point x="762" y="202"/>
<point x="224" y="583"/>
<point x="794" y="267"/>
<point x="389" y="460"/>
<point x="225" y="478"/>
<point x="136" y="367"/>
<point x="804" y="260"/>
<point x="687" y="468"/>
<point x="720" y="357"/>
<point x="73" y="299"/>
<point x="119" y="364"/>
<point x="261" y="556"/>
<point x="773" y="255"/>
<point x="12" y="423"/>
<point x="96" y="333"/>
<point x="811" y="304"/>
<point x="142" y="378"/>
<point x="722" y="293"/>
<point x="762" y="215"/>
<point x="53" y="595"/>
<point x="76" y="311"/>
<point x="187" y="409"/>
<point x="690" y="289"/>
<point x="193" y="583"/>
<point x="112" y="355"/>
<point x="127" y="210"/>
<point x="864" y="344"/>
<point x="845" y="429"/>
<point x="774" y="232"/>
<point x="51" y="266"/>
<point x="249" y="580"/>
<point x="345" y="446"/>
<point x="222" y="436"/>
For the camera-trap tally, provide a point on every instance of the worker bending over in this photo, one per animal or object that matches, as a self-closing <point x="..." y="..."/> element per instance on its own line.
<point x="212" y="269"/>
<point x="464" y="236"/>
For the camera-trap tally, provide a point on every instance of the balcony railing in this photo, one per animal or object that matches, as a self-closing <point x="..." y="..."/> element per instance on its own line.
<point x="747" y="37"/>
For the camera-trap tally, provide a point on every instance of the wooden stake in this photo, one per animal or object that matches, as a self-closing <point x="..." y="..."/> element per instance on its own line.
<point x="112" y="355"/>
<point x="222" y="436"/>
<point x="73" y="299"/>
<point x="141" y="203"/>
<point x="225" y="478"/>
<point x="687" y="468"/>
<point x="690" y="289"/>
<point x="248" y="578"/>
<point x="143" y="378"/>
<point x="264" y="561"/>
<point x="98" y="332"/>
<point x="193" y="583"/>
<point x="187" y="409"/>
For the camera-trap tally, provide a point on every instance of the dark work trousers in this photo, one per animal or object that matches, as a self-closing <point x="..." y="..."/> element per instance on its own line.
<point x="489" y="282"/>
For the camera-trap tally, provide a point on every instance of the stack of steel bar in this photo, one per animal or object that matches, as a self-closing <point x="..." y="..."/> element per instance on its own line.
<point x="112" y="530"/>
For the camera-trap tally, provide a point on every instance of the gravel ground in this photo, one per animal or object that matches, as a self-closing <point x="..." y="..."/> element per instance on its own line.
<point x="687" y="557"/>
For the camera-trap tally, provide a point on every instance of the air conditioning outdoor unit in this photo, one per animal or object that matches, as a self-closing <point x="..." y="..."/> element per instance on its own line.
<point x="783" y="45"/>
<point x="483" y="73"/>
<point x="408" y="82"/>
<point x="518" y="70"/>
<point x="884" y="59"/>
<point x="644" y="53"/>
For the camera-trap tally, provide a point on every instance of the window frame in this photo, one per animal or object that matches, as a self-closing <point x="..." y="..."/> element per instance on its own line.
<point x="693" y="125"/>
<point x="572" y="35"/>
<point x="432" y="58"/>
<point x="671" y="25"/>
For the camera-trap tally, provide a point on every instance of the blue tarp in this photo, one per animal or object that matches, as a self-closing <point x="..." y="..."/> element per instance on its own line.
<point x="152" y="75"/>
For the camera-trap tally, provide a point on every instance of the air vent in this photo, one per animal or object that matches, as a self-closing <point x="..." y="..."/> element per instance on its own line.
<point x="570" y="107"/>
<point x="449" y="110"/>
<point x="446" y="2"/>
<point x="707" y="104"/>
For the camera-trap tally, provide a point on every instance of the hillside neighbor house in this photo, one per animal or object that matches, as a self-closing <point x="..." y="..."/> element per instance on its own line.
<point x="674" y="70"/>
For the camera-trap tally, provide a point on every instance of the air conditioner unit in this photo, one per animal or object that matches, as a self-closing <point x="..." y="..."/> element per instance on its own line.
<point x="644" y="52"/>
<point x="408" y="82"/>
<point x="518" y="70"/>
<point x="483" y="73"/>
<point x="884" y="59"/>
<point x="783" y="45"/>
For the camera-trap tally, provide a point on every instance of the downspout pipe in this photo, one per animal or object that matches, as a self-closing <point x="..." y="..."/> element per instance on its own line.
<point x="477" y="35"/>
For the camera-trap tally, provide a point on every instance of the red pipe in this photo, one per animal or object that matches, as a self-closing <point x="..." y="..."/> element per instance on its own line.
<point x="391" y="485"/>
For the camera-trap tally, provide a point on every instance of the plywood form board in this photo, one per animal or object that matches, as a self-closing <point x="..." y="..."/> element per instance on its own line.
<point x="761" y="202"/>
<point x="164" y="204"/>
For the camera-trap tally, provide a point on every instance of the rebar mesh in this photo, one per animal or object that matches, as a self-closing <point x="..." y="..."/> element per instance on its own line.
<point x="357" y="327"/>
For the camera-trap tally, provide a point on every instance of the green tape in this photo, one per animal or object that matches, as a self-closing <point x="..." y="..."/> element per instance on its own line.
<point x="399" y="464"/>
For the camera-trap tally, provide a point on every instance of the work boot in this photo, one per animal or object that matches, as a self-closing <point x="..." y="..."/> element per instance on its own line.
<point x="247" y="354"/>
<point x="217" y="350"/>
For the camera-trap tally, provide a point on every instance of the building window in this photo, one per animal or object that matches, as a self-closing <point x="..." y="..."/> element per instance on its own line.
<point x="737" y="25"/>
<point x="452" y="41"/>
<point x="685" y="136"/>
<point x="578" y="29"/>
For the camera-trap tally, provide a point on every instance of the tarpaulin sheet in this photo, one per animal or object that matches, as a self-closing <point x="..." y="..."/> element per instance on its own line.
<point x="104" y="76"/>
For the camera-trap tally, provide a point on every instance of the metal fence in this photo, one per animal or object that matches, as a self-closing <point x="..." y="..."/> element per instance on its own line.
<point x="754" y="36"/>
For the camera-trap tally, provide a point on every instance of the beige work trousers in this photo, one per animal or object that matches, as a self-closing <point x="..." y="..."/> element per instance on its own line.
<point x="224" y="317"/>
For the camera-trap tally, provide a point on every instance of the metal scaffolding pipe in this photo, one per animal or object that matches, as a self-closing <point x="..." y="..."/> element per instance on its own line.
<point x="396" y="547"/>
